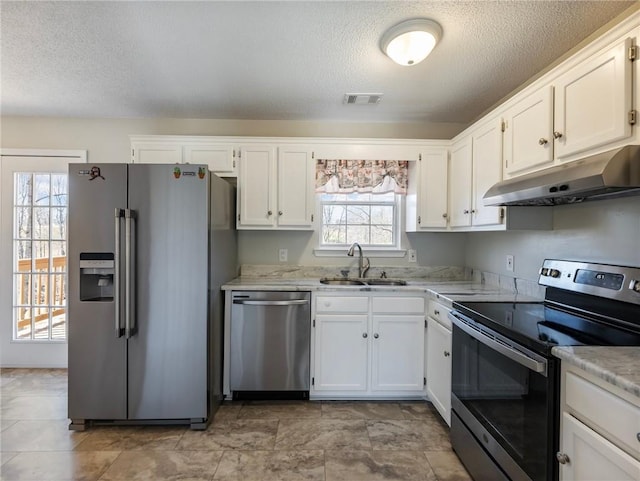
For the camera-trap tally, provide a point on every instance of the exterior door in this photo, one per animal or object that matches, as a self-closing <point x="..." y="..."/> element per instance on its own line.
<point x="33" y="257"/>
<point x="167" y="376"/>
<point x="97" y="349"/>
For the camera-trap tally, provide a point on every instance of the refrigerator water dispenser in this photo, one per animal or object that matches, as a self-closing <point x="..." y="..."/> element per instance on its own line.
<point x="96" y="276"/>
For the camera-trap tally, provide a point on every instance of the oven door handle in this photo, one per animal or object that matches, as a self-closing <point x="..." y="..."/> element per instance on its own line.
<point x="513" y="354"/>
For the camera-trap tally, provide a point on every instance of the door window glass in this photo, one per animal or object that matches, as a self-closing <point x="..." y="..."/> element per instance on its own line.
<point x="39" y="256"/>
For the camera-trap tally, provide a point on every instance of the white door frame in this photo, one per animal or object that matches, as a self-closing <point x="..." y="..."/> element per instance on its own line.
<point x="23" y="353"/>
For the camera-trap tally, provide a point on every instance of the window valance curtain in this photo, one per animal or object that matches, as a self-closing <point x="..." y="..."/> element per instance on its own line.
<point x="361" y="176"/>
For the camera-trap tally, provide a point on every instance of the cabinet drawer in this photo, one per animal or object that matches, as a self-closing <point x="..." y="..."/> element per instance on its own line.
<point x="613" y="417"/>
<point x="440" y="313"/>
<point x="342" y="304"/>
<point x="398" y="305"/>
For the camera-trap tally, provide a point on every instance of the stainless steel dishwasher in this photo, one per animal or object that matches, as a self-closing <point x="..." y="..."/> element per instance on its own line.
<point x="270" y="343"/>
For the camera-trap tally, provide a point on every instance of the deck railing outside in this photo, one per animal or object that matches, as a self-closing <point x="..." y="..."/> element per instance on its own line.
<point x="41" y="298"/>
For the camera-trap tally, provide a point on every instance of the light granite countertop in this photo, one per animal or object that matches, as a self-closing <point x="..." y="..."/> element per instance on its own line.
<point x="619" y="366"/>
<point x="447" y="291"/>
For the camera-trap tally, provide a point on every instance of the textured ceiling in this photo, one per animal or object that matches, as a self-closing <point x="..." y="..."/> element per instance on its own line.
<point x="276" y="60"/>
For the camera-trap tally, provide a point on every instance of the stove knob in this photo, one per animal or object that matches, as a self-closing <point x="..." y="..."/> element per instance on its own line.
<point x="635" y="285"/>
<point x="554" y="273"/>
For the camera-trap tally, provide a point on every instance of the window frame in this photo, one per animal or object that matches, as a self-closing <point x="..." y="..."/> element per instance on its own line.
<point x="396" y="250"/>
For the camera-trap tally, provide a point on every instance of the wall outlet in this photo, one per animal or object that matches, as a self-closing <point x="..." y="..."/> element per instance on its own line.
<point x="283" y="255"/>
<point x="412" y="255"/>
<point x="510" y="263"/>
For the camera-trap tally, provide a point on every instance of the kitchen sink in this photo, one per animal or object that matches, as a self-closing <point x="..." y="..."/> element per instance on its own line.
<point x="386" y="282"/>
<point x="340" y="281"/>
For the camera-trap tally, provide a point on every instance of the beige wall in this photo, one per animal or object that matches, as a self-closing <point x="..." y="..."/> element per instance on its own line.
<point x="107" y="140"/>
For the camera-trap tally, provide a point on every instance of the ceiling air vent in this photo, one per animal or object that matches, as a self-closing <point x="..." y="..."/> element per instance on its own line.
<point x="362" y="99"/>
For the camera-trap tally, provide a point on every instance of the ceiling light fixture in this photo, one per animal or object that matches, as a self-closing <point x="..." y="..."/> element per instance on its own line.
<point x="409" y="42"/>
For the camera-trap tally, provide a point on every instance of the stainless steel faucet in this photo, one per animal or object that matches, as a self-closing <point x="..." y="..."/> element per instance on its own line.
<point x="362" y="267"/>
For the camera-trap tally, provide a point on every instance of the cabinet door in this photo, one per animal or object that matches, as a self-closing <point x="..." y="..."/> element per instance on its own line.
<point x="439" y="368"/>
<point x="592" y="102"/>
<point x="460" y="183"/>
<point x="487" y="171"/>
<point x="397" y="353"/>
<point x="528" y="133"/>
<point x="156" y="153"/>
<point x="591" y="457"/>
<point x="219" y="157"/>
<point x="433" y="185"/>
<point x="296" y="196"/>
<point x="256" y="187"/>
<point x="341" y="352"/>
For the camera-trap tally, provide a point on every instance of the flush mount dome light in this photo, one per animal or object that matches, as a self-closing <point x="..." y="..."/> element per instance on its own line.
<point x="409" y="42"/>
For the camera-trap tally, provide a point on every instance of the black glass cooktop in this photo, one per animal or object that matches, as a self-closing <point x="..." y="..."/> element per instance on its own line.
<point x="540" y="326"/>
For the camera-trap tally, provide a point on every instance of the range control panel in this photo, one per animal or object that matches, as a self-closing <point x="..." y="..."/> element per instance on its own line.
<point x="613" y="282"/>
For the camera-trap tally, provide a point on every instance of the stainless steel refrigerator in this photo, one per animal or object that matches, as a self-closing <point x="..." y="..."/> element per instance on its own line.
<point x="149" y="248"/>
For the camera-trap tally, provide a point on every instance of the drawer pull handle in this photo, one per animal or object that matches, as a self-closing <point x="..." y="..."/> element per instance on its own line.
<point x="436" y="312"/>
<point x="376" y="336"/>
<point x="638" y="436"/>
<point x="365" y="335"/>
<point x="447" y="353"/>
<point x="562" y="458"/>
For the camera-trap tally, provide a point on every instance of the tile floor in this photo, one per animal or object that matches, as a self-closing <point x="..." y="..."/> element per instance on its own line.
<point x="251" y="441"/>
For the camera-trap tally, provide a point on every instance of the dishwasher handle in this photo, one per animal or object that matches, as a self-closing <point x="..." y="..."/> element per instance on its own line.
<point x="295" y="302"/>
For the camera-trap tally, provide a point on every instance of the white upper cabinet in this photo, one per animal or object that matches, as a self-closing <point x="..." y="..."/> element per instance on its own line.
<point x="296" y="193"/>
<point x="460" y="183"/>
<point x="156" y="153"/>
<point x="219" y="157"/>
<point x="179" y="149"/>
<point x="592" y="102"/>
<point x="256" y="187"/>
<point x="427" y="192"/>
<point x="476" y="165"/>
<point x="487" y="170"/>
<point x="585" y="110"/>
<point x="528" y="135"/>
<point x="276" y="192"/>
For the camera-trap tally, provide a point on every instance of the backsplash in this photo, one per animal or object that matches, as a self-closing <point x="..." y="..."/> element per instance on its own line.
<point x="439" y="273"/>
<point x="433" y="273"/>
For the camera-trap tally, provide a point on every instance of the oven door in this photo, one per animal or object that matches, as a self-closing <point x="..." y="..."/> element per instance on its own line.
<point x="503" y="395"/>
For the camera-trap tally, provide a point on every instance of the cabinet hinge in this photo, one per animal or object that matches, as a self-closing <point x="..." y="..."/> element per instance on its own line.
<point x="234" y="164"/>
<point x="425" y="323"/>
<point x="633" y="114"/>
<point x="238" y="217"/>
<point x="133" y="153"/>
<point x="633" y="52"/>
<point x="419" y="220"/>
<point x="502" y="212"/>
<point x="503" y="126"/>
<point x="419" y="156"/>
<point x="234" y="153"/>
<point x="311" y="217"/>
<point x="424" y="381"/>
<point x="313" y="155"/>
<point x="314" y="323"/>
<point x="313" y="381"/>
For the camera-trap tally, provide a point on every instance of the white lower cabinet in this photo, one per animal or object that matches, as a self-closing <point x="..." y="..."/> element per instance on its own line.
<point x="599" y="430"/>
<point x="590" y="457"/>
<point x="439" y="359"/>
<point x="368" y="346"/>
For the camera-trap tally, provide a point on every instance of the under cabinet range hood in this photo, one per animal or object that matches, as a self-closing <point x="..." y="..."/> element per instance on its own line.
<point x="615" y="173"/>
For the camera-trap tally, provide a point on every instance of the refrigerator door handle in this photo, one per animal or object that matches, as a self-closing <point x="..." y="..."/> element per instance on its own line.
<point x="116" y="274"/>
<point x="129" y="274"/>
